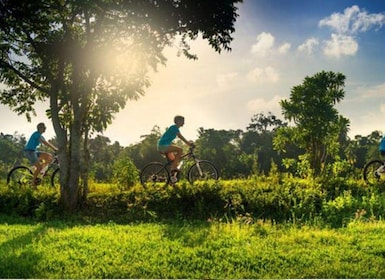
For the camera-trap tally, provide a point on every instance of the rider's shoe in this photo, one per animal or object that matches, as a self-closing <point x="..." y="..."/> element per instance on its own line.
<point x="173" y="179"/>
<point x="382" y="170"/>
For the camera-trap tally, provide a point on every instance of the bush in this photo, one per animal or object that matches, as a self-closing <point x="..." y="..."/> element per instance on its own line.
<point x="333" y="202"/>
<point x="125" y="173"/>
<point x="42" y="203"/>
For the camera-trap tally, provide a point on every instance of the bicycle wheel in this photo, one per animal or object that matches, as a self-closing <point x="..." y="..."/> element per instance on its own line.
<point x="154" y="173"/>
<point x="202" y="170"/>
<point x="20" y="176"/>
<point x="55" y="178"/>
<point x="371" y="174"/>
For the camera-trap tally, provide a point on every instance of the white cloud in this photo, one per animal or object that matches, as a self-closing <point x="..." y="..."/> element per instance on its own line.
<point x="345" y="25"/>
<point x="224" y="80"/>
<point x="264" y="44"/>
<point x="262" y="105"/>
<point x="284" y="48"/>
<point x="263" y="75"/>
<point x="340" y="45"/>
<point x="308" y="46"/>
<point x="353" y="20"/>
<point x="377" y="91"/>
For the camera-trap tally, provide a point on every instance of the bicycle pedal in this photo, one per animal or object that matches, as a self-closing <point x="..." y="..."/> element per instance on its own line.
<point x="173" y="179"/>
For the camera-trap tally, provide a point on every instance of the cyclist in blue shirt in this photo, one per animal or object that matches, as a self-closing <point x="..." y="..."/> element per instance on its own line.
<point x="382" y="146"/>
<point x="37" y="158"/>
<point x="165" y="143"/>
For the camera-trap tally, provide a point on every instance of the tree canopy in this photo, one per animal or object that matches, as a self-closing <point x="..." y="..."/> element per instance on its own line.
<point x="317" y="124"/>
<point x="88" y="58"/>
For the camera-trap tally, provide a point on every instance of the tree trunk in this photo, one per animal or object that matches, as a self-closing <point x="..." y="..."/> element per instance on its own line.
<point x="85" y="167"/>
<point x="71" y="172"/>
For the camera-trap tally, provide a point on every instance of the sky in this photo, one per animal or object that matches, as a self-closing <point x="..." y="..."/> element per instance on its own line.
<point x="277" y="43"/>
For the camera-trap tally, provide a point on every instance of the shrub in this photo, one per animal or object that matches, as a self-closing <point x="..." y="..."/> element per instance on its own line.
<point x="125" y="173"/>
<point x="334" y="202"/>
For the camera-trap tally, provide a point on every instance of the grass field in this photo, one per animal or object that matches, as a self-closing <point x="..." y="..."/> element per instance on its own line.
<point x="181" y="249"/>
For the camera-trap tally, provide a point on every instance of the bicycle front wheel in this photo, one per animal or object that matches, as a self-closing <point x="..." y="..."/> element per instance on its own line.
<point x="154" y="173"/>
<point x="20" y="176"/>
<point x="371" y="174"/>
<point x="202" y="170"/>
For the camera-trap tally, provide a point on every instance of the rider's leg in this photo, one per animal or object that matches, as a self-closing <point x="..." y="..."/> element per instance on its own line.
<point x="178" y="153"/>
<point x="38" y="168"/>
<point x="33" y="157"/>
<point x="44" y="159"/>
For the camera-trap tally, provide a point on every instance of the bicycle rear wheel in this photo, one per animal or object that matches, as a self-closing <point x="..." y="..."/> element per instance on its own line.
<point x="202" y="170"/>
<point x="154" y="173"/>
<point x="20" y="176"/>
<point x="371" y="174"/>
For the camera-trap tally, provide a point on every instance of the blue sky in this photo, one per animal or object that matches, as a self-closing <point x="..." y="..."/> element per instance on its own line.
<point x="276" y="45"/>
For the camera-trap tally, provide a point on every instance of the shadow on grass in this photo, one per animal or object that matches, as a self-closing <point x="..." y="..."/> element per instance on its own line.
<point x="17" y="258"/>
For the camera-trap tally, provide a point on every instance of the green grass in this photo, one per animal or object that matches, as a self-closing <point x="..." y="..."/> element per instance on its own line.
<point x="238" y="249"/>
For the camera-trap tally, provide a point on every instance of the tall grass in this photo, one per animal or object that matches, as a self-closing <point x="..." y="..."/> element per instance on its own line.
<point x="213" y="249"/>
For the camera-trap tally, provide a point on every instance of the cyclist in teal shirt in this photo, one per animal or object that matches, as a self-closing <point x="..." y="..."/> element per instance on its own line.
<point x="382" y="146"/>
<point x="37" y="158"/>
<point x="165" y="143"/>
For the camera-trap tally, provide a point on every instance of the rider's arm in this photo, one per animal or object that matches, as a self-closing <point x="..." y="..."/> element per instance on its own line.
<point x="183" y="139"/>
<point x="49" y="144"/>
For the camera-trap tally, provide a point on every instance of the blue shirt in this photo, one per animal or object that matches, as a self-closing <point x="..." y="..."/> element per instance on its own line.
<point x="169" y="136"/>
<point x="382" y="145"/>
<point x="34" y="141"/>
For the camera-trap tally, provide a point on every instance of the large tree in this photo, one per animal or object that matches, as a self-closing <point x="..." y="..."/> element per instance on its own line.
<point x="317" y="124"/>
<point x="87" y="58"/>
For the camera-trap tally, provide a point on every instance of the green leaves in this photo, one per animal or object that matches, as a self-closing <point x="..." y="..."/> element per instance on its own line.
<point x="317" y="122"/>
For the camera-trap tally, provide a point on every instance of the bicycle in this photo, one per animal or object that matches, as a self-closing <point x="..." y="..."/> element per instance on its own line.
<point x="374" y="172"/>
<point x="22" y="175"/>
<point x="159" y="173"/>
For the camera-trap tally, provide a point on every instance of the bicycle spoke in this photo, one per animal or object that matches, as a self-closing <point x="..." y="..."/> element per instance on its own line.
<point x="20" y="176"/>
<point x="203" y="170"/>
<point x="154" y="174"/>
<point x="373" y="173"/>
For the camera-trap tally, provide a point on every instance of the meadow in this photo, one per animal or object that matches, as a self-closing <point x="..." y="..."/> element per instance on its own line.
<point x="208" y="250"/>
<point x="251" y="228"/>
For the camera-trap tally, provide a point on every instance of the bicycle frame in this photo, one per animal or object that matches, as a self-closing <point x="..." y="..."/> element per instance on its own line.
<point x="187" y="156"/>
<point x="157" y="172"/>
<point x="18" y="178"/>
<point x="55" y="160"/>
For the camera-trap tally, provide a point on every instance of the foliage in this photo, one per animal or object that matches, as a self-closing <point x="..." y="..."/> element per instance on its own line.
<point x="262" y="124"/>
<point x="317" y="125"/>
<point x="41" y="204"/>
<point x="88" y="58"/>
<point x="125" y="173"/>
<point x="330" y="201"/>
<point x="102" y="157"/>
<point x="145" y="151"/>
<point x="11" y="151"/>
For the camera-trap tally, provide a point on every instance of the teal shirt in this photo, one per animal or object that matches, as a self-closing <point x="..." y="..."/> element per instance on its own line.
<point x="169" y="136"/>
<point x="34" y="141"/>
<point x="382" y="145"/>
